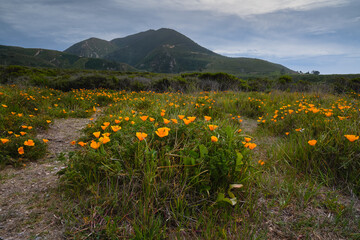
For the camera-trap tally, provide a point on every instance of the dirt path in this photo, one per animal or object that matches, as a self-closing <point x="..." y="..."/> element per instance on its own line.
<point x="28" y="201"/>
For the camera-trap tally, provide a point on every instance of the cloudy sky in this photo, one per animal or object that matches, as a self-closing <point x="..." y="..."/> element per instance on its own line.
<point x="303" y="35"/>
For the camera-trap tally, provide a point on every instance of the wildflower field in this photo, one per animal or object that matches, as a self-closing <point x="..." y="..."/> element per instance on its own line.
<point x="209" y="165"/>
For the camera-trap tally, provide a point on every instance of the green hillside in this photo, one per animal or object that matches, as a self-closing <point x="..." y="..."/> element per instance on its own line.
<point x="168" y="51"/>
<point x="35" y="57"/>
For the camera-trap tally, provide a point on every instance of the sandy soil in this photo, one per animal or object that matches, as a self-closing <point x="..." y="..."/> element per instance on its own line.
<point x="28" y="201"/>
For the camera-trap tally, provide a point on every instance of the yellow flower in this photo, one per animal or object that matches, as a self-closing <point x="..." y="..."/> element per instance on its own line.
<point x="126" y="118"/>
<point x="287" y="133"/>
<point x="81" y="143"/>
<point x="4" y="105"/>
<point x="239" y="131"/>
<point x="141" y="136"/>
<point x="212" y="127"/>
<point x="73" y="142"/>
<point x="181" y="117"/>
<point x="21" y="150"/>
<point x="312" y="142"/>
<point x="352" y="138"/>
<point x="4" y="140"/>
<point x="166" y="121"/>
<point x="96" y="134"/>
<point x="22" y="133"/>
<point x="48" y="121"/>
<point x="162" y="114"/>
<point x="174" y="121"/>
<point x="151" y="119"/>
<point x="214" y="139"/>
<point x="45" y="140"/>
<point x="162" y="132"/>
<point x="104" y="127"/>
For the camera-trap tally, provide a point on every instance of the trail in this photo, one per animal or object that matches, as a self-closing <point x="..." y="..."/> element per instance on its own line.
<point x="29" y="205"/>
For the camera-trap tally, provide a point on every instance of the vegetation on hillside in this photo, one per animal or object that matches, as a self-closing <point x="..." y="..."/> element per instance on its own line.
<point x="173" y="156"/>
<point x="168" y="51"/>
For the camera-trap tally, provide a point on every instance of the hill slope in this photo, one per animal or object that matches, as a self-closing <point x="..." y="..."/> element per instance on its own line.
<point x="168" y="51"/>
<point x="36" y="57"/>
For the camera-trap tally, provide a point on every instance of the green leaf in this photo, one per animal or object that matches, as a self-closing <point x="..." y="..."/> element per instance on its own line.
<point x="221" y="198"/>
<point x="203" y="150"/>
<point x="239" y="162"/>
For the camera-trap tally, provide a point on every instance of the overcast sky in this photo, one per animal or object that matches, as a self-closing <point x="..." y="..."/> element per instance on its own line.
<point x="303" y="35"/>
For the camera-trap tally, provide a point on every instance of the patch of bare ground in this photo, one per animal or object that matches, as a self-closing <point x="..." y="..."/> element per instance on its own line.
<point x="293" y="208"/>
<point x="29" y="204"/>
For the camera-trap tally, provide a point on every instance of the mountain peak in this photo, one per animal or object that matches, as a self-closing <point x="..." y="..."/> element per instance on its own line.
<point x="166" y="50"/>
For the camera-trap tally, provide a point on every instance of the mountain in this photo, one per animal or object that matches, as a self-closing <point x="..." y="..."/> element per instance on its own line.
<point x="36" y="57"/>
<point x="168" y="51"/>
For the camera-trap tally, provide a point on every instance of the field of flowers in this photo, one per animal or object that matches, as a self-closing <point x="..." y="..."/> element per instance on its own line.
<point x="173" y="165"/>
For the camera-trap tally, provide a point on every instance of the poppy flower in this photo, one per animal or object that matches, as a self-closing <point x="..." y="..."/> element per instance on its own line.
<point x="48" y="121"/>
<point x="21" y="150"/>
<point x="251" y="146"/>
<point x="22" y="133"/>
<point x="352" y="138"/>
<point x="95" y="145"/>
<point x="214" y="139"/>
<point x="186" y="121"/>
<point x="239" y="131"/>
<point x="73" y="142"/>
<point x="117" y="121"/>
<point x="104" y="139"/>
<point x="174" y="120"/>
<point x="4" y="140"/>
<point x="151" y="119"/>
<point x="162" y="132"/>
<point x="312" y="142"/>
<point x="126" y="118"/>
<point x="181" y="117"/>
<point x="247" y="139"/>
<point x="212" y="127"/>
<point x="207" y="118"/>
<point x="191" y="118"/>
<point x="96" y="134"/>
<point x="162" y="114"/>
<point x="29" y="143"/>
<point x="115" y="128"/>
<point x="103" y="127"/>
<point x="82" y="144"/>
<point x="141" y="136"/>
<point x="45" y="140"/>
<point x="144" y="118"/>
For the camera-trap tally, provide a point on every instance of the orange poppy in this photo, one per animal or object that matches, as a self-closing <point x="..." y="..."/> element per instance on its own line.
<point x="29" y="143"/>
<point x="21" y="150"/>
<point x="144" y="118"/>
<point x="214" y="139"/>
<point x="141" y="136"/>
<point x="312" y="142"/>
<point x="207" y="118"/>
<point x="162" y="132"/>
<point x="212" y="127"/>
<point x="352" y="138"/>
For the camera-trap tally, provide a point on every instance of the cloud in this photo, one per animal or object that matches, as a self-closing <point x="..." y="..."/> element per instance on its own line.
<point x="240" y="8"/>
